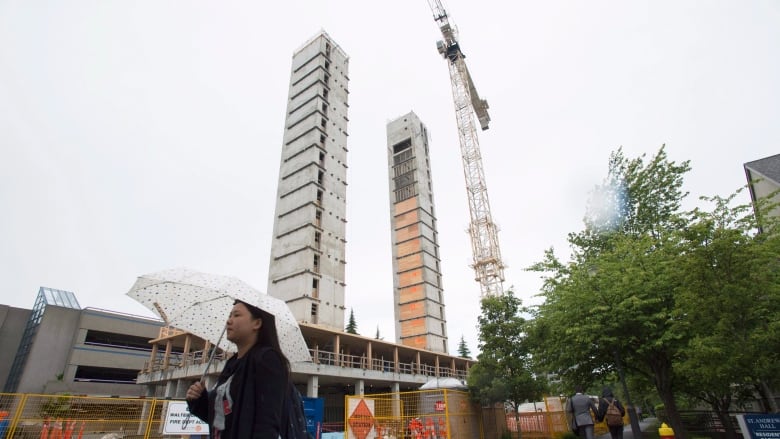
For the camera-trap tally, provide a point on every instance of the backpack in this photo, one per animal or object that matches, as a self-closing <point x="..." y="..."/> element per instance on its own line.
<point x="613" y="416"/>
<point x="293" y="417"/>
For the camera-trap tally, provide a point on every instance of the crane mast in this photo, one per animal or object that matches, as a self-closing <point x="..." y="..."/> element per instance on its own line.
<point x="487" y="265"/>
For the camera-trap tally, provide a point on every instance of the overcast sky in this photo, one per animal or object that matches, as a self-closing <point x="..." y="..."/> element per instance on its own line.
<point x="138" y="136"/>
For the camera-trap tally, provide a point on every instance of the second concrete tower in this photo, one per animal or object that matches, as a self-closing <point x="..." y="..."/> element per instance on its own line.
<point x="417" y="286"/>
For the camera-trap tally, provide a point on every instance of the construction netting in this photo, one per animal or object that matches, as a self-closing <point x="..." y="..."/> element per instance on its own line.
<point x="87" y="417"/>
<point x="424" y="414"/>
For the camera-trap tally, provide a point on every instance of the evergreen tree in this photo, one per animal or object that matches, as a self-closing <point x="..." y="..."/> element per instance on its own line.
<point x="351" y="325"/>
<point x="463" y="349"/>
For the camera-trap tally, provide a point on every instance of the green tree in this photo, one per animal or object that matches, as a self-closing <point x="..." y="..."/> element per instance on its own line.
<point x="614" y="302"/>
<point x="729" y="292"/>
<point x="463" y="348"/>
<point x="503" y="371"/>
<point x="352" y="324"/>
<point x="377" y="336"/>
<point x="688" y="300"/>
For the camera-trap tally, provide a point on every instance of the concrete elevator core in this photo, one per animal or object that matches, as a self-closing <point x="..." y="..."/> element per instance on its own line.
<point x="417" y="285"/>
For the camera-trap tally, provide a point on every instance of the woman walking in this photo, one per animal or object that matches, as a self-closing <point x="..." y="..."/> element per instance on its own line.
<point x="249" y="395"/>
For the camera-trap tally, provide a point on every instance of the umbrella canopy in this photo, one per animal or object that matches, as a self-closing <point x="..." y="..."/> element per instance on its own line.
<point x="200" y="304"/>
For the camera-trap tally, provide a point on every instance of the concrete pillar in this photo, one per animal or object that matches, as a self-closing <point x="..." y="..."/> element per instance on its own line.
<point x="205" y="357"/>
<point x="167" y="356"/>
<point x="313" y="386"/>
<point x="182" y="386"/>
<point x="368" y="354"/>
<point x="170" y="389"/>
<point x="436" y="363"/>
<point x="186" y="353"/>
<point x="396" y="402"/>
<point x="152" y="358"/>
<point x="396" y="364"/>
<point x="360" y="387"/>
<point x="337" y="349"/>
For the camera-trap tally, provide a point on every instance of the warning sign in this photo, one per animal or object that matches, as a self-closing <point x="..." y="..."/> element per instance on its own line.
<point x="361" y="419"/>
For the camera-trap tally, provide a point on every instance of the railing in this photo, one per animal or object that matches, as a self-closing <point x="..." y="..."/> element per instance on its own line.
<point x="379" y="364"/>
<point x="181" y="360"/>
<point x="168" y="331"/>
<point x="176" y="360"/>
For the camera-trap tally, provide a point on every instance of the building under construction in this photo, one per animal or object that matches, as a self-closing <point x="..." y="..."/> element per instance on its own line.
<point x="307" y="268"/>
<point x="417" y="286"/>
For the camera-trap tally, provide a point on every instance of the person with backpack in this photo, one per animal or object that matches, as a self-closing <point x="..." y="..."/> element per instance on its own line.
<point x="250" y="397"/>
<point x="611" y="411"/>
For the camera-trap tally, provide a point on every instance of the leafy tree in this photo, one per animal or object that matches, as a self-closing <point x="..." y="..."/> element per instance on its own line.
<point x="352" y="324"/>
<point x="614" y="302"/>
<point x="687" y="299"/>
<point x="503" y="372"/>
<point x="463" y="348"/>
<point x="730" y="294"/>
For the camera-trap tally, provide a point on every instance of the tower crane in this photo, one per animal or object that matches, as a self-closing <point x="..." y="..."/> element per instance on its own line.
<point x="487" y="265"/>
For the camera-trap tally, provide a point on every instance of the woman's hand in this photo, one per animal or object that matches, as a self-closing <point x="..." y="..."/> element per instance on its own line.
<point x="195" y="390"/>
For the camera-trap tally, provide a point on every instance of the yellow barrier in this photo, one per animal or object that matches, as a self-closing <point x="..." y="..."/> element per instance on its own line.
<point x="87" y="417"/>
<point x="425" y="414"/>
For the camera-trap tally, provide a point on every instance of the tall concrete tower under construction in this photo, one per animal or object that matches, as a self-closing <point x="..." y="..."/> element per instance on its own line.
<point x="417" y="288"/>
<point x="307" y="267"/>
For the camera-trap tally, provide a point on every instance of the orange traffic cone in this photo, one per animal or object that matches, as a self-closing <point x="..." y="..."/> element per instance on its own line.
<point x="442" y="428"/>
<point x="45" y="429"/>
<point x="69" y="427"/>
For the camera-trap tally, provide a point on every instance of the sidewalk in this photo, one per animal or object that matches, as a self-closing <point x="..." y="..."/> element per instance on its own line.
<point x="644" y="425"/>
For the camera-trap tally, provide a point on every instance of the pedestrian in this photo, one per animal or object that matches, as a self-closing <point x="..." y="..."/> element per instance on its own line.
<point x="607" y="398"/>
<point x="248" y="398"/>
<point x="583" y="412"/>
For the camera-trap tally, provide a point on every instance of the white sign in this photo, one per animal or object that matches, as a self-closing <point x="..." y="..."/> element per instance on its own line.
<point x="175" y="418"/>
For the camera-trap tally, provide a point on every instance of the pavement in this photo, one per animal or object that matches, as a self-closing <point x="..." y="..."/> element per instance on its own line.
<point x="645" y="424"/>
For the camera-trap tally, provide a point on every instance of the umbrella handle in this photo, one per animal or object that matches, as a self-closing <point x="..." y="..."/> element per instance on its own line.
<point x="203" y="377"/>
<point x="211" y="357"/>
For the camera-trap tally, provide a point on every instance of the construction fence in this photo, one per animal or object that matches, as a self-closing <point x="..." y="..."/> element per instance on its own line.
<point x="449" y="414"/>
<point x="424" y="414"/>
<point x="32" y="416"/>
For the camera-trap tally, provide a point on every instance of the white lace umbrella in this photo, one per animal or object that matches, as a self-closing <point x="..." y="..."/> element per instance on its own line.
<point x="200" y="304"/>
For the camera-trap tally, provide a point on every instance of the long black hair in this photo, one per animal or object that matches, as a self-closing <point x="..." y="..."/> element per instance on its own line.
<point x="267" y="336"/>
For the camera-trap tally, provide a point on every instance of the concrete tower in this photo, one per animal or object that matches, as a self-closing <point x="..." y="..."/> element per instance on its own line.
<point x="417" y="288"/>
<point x="307" y="265"/>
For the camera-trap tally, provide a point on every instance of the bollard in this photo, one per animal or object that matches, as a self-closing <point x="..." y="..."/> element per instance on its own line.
<point x="665" y="431"/>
